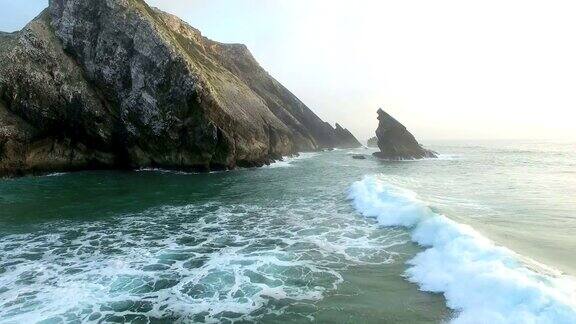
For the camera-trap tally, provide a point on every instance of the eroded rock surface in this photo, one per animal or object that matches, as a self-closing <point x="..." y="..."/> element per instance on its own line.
<point x="117" y="84"/>
<point x="396" y="142"/>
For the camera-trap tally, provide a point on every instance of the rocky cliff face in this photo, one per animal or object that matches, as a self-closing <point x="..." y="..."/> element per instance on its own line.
<point x="117" y="84"/>
<point x="396" y="142"/>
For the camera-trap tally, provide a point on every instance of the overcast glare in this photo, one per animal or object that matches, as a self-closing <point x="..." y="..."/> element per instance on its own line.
<point x="446" y="69"/>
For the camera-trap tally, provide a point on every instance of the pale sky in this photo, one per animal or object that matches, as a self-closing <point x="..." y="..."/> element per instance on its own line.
<point x="447" y="69"/>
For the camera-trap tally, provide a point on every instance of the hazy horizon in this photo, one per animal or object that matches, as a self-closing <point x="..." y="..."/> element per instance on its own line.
<point x="446" y="70"/>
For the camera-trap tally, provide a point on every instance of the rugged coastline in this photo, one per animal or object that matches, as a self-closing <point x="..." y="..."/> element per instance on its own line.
<point x="120" y="85"/>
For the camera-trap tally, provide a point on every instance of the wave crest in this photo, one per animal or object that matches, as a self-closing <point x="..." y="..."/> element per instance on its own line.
<point x="483" y="282"/>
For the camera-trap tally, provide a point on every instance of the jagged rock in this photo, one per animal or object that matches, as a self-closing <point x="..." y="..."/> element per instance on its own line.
<point x="345" y="138"/>
<point x="396" y="142"/>
<point x="372" y="142"/>
<point x="117" y="84"/>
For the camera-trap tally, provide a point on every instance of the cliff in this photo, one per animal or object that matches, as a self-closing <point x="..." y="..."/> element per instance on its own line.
<point x="117" y="84"/>
<point x="396" y="142"/>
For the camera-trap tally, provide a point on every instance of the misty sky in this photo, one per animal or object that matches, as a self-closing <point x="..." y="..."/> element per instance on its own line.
<point x="447" y="69"/>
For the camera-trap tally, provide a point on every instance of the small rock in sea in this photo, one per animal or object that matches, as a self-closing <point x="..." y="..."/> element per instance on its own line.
<point x="373" y="142"/>
<point x="359" y="157"/>
<point x="396" y="142"/>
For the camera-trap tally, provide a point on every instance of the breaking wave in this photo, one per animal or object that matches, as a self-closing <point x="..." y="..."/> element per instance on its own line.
<point x="290" y="161"/>
<point x="482" y="282"/>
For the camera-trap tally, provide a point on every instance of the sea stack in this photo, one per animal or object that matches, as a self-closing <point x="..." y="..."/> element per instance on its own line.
<point x="396" y="142"/>
<point x="118" y="84"/>
<point x="345" y="138"/>
<point x="372" y="142"/>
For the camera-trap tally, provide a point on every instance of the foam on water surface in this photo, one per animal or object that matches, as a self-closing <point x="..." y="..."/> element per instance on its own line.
<point x="160" y="170"/>
<point x="290" y="161"/>
<point x="199" y="263"/>
<point x="56" y="174"/>
<point x="483" y="282"/>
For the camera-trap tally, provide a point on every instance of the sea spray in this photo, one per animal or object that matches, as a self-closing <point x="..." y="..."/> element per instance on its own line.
<point x="483" y="282"/>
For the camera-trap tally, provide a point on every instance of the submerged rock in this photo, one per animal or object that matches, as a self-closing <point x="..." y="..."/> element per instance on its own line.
<point x="359" y="157"/>
<point x="396" y="142"/>
<point x="117" y="84"/>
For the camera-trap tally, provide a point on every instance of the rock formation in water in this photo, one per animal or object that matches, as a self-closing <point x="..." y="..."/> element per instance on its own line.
<point x="345" y="138"/>
<point x="372" y="142"/>
<point x="396" y="142"/>
<point x="116" y="84"/>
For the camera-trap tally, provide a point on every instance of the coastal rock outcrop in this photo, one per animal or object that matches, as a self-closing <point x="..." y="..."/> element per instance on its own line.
<point x="118" y="84"/>
<point x="372" y="142"/>
<point x="396" y="142"/>
<point x="345" y="138"/>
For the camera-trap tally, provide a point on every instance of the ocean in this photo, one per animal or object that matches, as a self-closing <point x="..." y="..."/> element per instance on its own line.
<point x="484" y="234"/>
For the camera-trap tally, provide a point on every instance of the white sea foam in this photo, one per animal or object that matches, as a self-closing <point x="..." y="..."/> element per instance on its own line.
<point x="439" y="157"/>
<point x="160" y="170"/>
<point x="56" y="174"/>
<point x="208" y="262"/>
<point x="178" y="172"/>
<point x="290" y="161"/>
<point x="447" y="157"/>
<point x="483" y="282"/>
<point x="287" y="161"/>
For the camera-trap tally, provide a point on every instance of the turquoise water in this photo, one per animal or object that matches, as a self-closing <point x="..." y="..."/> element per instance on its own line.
<point x="291" y="243"/>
